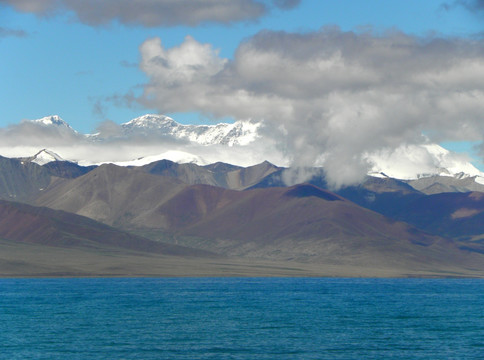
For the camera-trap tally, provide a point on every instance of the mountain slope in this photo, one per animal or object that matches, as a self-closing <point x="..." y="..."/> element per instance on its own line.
<point x="43" y="157"/>
<point x="113" y="195"/>
<point x="457" y="215"/>
<point x="381" y="194"/>
<point x="67" y="169"/>
<point x="301" y="223"/>
<point x="305" y="223"/>
<point x="21" y="181"/>
<point x="386" y="196"/>
<point x="219" y="174"/>
<point x="28" y="224"/>
<point x="440" y="184"/>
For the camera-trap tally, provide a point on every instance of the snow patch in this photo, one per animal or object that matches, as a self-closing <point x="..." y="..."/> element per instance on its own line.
<point x="479" y="180"/>
<point x="45" y="156"/>
<point x="180" y="157"/>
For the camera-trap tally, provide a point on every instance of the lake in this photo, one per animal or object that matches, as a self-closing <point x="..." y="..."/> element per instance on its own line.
<point x="241" y="318"/>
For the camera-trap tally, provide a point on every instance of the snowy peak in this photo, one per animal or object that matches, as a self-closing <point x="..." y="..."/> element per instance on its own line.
<point x="238" y="133"/>
<point x="452" y="164"/>
<point x="150" y="122"/>
<point x="410" y="162"/>
<point x="45" y="156"/>
<point x="53" y="120"/>
<point x="407" y="162"/>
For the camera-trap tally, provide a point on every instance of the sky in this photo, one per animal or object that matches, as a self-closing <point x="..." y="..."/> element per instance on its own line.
<point x="333" y="79"/>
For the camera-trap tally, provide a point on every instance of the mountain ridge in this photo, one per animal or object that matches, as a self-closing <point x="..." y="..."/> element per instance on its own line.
<point x="39" y="225"/>
<point x="302" y="223"/>
<point x="243" y="133"/>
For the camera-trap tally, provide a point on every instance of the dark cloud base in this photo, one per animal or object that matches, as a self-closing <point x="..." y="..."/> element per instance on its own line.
<point x="154" y="13"/>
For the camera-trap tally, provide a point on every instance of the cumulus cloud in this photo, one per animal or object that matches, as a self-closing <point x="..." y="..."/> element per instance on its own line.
<point x="152" y="13"/>
<point x="135" y="146"/>
<point x="328" y="96"/>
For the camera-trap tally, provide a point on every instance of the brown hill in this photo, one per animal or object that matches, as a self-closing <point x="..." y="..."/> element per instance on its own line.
<point x="43" y="242"/>
<point x="67" y="169"/>
<point x="114" y="195"/>
<point x="305" y="223"/>
<point x="456" y="215"/>
<point x="300" y="223"/>
<point x="444" y="184"/>
<point x="43" y="226"/>
<point x="384" y="195"/>
<point x="21" y="181"/>
<point x="218" y="174"/>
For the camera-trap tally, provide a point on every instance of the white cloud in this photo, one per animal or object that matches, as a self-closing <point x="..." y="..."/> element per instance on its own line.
<point x="178" y="68"/>
<point x="126" y="146"/>
<point x="329" y="96"/>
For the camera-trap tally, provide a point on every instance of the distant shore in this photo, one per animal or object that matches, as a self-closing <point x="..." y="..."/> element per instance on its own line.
<point x="19" y="260"/>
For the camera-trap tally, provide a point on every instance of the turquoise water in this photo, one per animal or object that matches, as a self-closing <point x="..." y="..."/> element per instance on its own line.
<point x="241" y="319"/>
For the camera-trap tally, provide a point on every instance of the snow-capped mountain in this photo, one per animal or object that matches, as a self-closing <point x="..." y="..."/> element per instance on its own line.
<point x="238" y="133"/>
<point x="407" y="162"/>
<point x="452" y="165"/>
<point x="42" y="157"/>
<point x="45" y="156"/>
<point x="420" y="161"/>
<point x="53" y="120"/>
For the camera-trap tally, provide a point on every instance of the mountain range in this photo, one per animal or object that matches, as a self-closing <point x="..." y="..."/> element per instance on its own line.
<point x="167" y="203"/>
<point x="401" y="164"/>
<point x="170" y="218"/>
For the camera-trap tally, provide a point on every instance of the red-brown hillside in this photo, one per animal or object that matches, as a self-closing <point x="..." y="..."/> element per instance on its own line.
<point x="37" y="225"/>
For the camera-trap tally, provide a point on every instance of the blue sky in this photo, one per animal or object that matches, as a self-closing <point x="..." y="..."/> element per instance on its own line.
<point x="81" y="68"/>
<point x="62" y="66"/>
